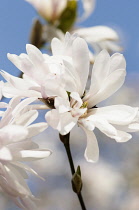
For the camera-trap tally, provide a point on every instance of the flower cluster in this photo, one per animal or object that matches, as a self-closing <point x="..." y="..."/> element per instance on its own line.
<point x="60" y="16"/>
<point x="59" y="81"/>
<point x="16" y="146"/>
<point x="58" y="84"/>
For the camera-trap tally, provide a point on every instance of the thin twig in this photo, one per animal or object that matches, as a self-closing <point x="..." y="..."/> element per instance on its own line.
<point x="65" y="140"/>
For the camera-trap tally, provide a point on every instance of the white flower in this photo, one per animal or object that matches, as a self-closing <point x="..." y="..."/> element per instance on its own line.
<point x="79" y="107"/>
<point x="49" y="9"/>
<point x="16" y="128"/>
<point x="38" y="68"/>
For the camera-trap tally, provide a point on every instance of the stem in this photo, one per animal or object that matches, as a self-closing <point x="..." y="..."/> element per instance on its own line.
<point x="65" y="140"/>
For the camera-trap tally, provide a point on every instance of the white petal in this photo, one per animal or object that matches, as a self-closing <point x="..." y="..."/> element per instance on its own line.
<point x="89" y="6"/>
<point x="30" y="155"/>
<point x="117" y="62"/>
<point x="62" y="105"/>
<point x="134" y="127"/>
<point x="122" y="136"/>
<point x="3" y="105"/>
<point x="75" y="97"/>
<point x="53" y="88"/>
<point x="22" y="105"/>
<point x="35" y="129"/>
<point x="5" y="154"/>
<point x="27" y="168"/>
<point x="62" y="122"/>
<point x="9" y="92"/>
<point x="80" y="56"/>
<point x="113" y="82"/>
<point x="57" y="47"/>
<point x="34" y="54"/>
<point x="28" y="203"/>
<point x="100" y="71"/>
<point x="16" y="82"/>
<point x="92" y="149"/>
<point x="109" y="130"/>
<point x="13" y="182"/>
<point x="105" y="127"/>
<point x="27" y="118"/>
<point x="97" y="34"/>
<point x="116" y="114"/>
<point x="12" y="133"/>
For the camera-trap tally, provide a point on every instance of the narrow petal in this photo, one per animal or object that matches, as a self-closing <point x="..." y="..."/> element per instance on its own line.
<point x="30" y="155"/>
<point x="92" y="149"/>
<point x="27" y="118"/>
<point x="100" y="71"/>
<point x="35" y="129"/>
<point x="116" y="114"/>
<point x="80" y="56"/>
<point x="53" y="88"/>
<point x="26" y="168"/>
<point x="122" y="136"/>
<point x="5" y="154"/>
<point x="62" y="105"/>
<point x="97" y="34"/>
<point x="34" y="54"/>
<point x="12" y="133"/>
<point x="117" y="62"/>
<point x="113" y="82"/>
<point x="22" y="105"/>
<point x="57" y="47"/>
<point x="63" y="122"/>
<point x="89" y="6"/>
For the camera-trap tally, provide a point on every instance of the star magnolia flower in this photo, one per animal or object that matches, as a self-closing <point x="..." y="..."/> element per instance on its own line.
<point x="79" y="107"/>
<point x="38" y="68"/>
<point x="15" y="128"/>
<point x="49" y="9"/>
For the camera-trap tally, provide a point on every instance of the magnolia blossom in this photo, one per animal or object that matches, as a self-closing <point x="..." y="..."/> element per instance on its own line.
<point x="60" y="82"/>
<point x="41" y="71"/>
<point x="16" y="128"/>
<point x="49" y="9"/>
<point x="79" y="107"/>
<point x="38" y="69"/>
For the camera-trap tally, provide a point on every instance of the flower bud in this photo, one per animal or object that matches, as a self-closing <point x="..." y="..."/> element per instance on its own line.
<point x="77" y="181"/>
<point x="36" y="35"/>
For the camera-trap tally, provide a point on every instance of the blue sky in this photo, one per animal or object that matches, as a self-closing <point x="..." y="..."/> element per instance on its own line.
<point x="16" y="18"/>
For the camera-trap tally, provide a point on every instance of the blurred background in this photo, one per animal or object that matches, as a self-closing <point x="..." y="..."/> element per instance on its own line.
<point x="113" y="182"/>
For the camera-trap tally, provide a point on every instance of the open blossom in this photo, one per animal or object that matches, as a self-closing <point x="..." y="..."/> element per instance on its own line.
<point x="80" y="107"/>
<point x="49" y="9"/>
<point x="16" y="128"/>
<point x="37" y="69"/>
<point x="61" y="80"/>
